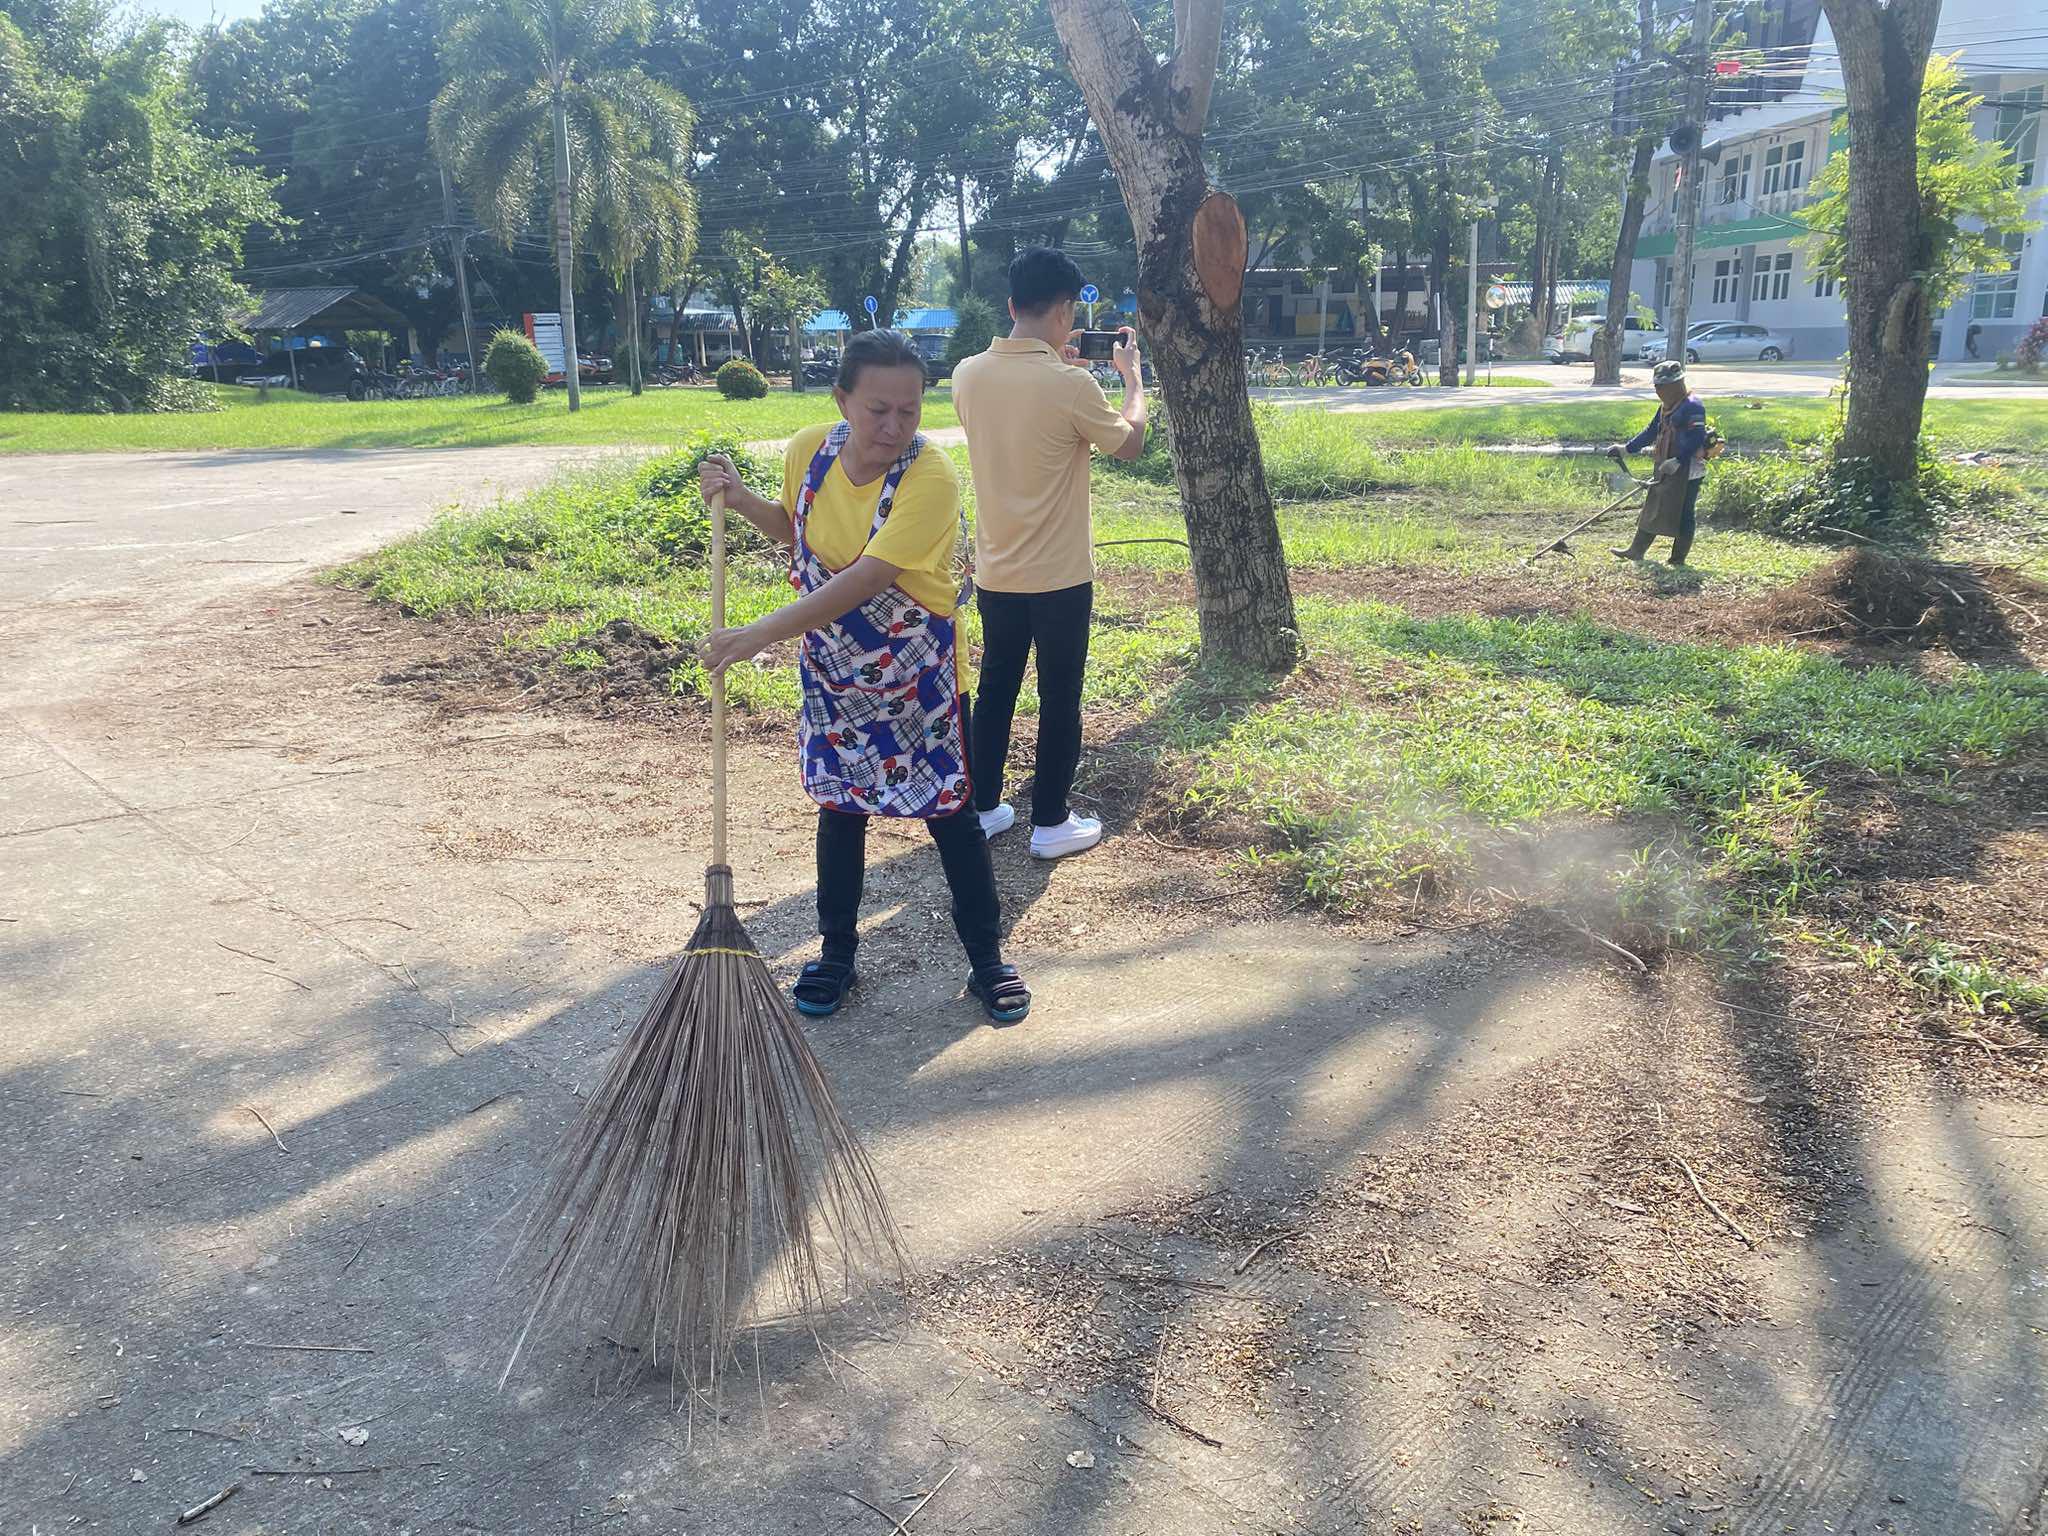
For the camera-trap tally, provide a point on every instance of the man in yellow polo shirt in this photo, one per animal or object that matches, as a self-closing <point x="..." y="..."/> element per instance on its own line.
<point x="1032" y="419"/>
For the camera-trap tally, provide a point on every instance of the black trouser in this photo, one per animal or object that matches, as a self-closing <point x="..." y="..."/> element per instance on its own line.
<point x="1688" y="520"/>
<point x="1012" y="624"/>
<point x="963" y="851"/>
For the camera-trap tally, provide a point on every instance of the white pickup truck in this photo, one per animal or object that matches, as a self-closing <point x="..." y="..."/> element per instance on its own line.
<point x="1575" y="344"/>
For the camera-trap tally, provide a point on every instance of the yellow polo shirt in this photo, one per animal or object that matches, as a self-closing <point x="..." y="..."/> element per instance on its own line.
<point x="1031" y="420"/>
<point x="919" y="538"/>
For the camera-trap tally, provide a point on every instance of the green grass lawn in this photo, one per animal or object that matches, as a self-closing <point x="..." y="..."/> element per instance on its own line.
<point x="1964" y="426"/>
<point x="1459" y="734"/>
<point x="658" y="417"/>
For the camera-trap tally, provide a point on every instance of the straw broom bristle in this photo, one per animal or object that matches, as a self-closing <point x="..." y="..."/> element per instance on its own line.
<point x="710" y="1174"/>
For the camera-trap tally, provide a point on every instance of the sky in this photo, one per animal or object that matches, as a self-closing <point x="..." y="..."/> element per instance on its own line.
<point x="198" y="12"/>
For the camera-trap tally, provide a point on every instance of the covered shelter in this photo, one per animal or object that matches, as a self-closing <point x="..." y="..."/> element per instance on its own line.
<point x="296" y="316"/>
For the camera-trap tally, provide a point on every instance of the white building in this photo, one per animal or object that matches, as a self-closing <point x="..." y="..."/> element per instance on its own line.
<point x="1748" y="264"/>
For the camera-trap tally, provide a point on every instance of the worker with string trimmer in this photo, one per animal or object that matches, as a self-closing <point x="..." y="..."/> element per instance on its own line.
<point x="1682" y="445"/>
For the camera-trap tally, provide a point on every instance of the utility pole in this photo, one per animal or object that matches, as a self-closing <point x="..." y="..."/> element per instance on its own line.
<point x="458" y="238"/>
<point x="1472" y="272"/>
<point x="1676" y="321"/>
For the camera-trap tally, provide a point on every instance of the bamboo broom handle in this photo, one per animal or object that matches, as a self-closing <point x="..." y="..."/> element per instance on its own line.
<point x="718" y="682"/>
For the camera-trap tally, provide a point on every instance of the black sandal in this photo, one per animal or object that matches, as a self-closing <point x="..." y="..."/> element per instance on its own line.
<point x="822" y="986"/>
<point x="1002" y="993"/>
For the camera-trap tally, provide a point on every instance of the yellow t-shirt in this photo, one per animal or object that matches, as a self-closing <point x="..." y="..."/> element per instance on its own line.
<point x="920" y="537"/>
<point x="1031" y="420"/>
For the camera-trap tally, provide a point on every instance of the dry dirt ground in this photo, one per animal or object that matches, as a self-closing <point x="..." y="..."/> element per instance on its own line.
<point x="1447" y="1223"/>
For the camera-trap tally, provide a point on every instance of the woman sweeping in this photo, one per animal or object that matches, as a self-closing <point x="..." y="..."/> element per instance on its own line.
<point x="871" y="519"/>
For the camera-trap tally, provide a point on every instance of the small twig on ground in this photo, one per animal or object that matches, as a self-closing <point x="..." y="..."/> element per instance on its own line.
<point x="928" y="1497"/>
<point x="246" y="954"/>
<point x="317" y="1349"/>
<point x="268" y="1127"/>
<point x="1185" y="1428"/>
<point x="1112" y="543"/>
<point x="202" y="1510"/>
<point x="215" y="1434"/>
<point x="894" y="1523"/>
<point x="1245" y="1263"/>
<point x="1708" y="1201"/>
<point x="1629" y="955"/>
<point x="352" y="1259"/>
<point x="313" y="1471"/>
<point x="82" y="1093"/>
<point x="1159" y="1364"/>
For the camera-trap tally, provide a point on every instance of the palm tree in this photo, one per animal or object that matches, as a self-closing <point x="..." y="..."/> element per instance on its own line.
<point x="646" y="215"/>
<point x="530" y="76"/>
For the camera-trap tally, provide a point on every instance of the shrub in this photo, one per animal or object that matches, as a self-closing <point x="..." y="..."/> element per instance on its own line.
<point x="974" y="328"/>
<point x="1813" y="494"/>
<point x="741" y="380"/>
<point x="2033" y="347"/>
<point x="514" y="366"/>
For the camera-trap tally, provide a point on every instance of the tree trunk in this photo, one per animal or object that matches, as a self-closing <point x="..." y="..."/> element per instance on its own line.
<point x="565" y="257"/>
<point x="966" y="254"/>
<point x="1150" y="116"/>
<point x="1884" y="63"/>
<point x="1447" y="322"/>
<point x="1607" y="341"/>
<point x="796" y="355"/>
<point x="1400" y="326"/>
<point x="633" y="320"/>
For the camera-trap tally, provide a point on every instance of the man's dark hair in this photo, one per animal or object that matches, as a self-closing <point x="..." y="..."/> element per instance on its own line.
<point x="1041" y="277"/>
<point x="878" y="349"/>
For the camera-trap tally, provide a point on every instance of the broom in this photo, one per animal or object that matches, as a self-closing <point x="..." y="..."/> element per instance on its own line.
<point x="711" y="1164"/>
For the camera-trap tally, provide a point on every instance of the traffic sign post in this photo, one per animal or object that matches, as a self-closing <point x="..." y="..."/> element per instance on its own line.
<point x="870" y="305"/>
<point x="1089" y="295"/>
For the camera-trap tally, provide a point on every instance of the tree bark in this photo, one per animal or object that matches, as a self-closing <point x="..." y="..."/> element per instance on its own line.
<point x="1607" y="340"/>
<point x="1150" y="116"/>
<point x="1400" y="327"/>
<point x="1884" y="63"/>
<point x="565" y="257"/>
<point x="966" y="252"/>
<point x="633" y="320"/>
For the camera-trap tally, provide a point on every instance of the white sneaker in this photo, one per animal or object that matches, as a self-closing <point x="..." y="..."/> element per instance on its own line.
<point x="998" y="821"/>
<point x="1077" y="834"/>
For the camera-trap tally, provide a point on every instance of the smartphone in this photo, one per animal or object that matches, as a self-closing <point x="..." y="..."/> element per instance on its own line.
<point x="1099" y="346"/>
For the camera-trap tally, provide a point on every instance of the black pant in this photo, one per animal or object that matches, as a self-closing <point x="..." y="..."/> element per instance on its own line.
<point x="1688" y="520"/>
<point x="963" y="851"/>
<point x="1012" y="623"/>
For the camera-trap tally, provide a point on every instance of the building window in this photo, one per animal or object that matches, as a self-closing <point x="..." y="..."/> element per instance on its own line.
<point x="1996" y="295"/>
<point x="1728" y="281"/>
<point x="1795" y="166"/>
<point x="1774" y="171"/>
<point x="1735" y="178"/>
<point x="1665" y="303"/>
<point x="1781" y="277"/>
<point x="1760" y="285"/>
<point x="1824" y="286"/>
<point x="2019" y="128"/>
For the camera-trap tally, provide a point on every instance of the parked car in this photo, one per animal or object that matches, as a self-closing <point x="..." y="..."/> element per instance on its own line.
<point x="231" y="359"/>
<point x="1575" y="343"/>
<point x="593" y="369"/>
<point x="318" y="370"/>
<point x="1654" y="353"/>
<point x="1732" y="341"/>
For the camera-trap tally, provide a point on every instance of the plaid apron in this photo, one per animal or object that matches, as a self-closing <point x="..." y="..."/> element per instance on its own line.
<point x="880" y="728"/>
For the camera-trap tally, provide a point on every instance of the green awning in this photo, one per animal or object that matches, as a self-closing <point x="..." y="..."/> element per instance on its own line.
<point x="1764" y="227"/>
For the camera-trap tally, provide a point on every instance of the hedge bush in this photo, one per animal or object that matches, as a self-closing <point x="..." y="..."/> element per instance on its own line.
<point x="514" y="366"/>
<point x="741" y="380"/>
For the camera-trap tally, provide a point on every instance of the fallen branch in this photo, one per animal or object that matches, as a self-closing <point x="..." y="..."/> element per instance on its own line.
<point x="201" y="1511"/>
<point x="1708" y="1201"/>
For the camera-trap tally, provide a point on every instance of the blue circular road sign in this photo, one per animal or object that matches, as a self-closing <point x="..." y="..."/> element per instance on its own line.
<point x="869" y="304"/>
<point x="1090" y="294"/>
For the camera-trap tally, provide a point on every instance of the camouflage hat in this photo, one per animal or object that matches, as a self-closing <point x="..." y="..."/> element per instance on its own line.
<point x="1672" y="372"/>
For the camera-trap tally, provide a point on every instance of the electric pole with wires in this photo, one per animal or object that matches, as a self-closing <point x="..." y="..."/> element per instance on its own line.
<point x="458" y="239"/>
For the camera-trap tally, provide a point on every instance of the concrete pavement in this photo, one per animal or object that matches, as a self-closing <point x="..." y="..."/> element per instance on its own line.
<point x="303" y="972"/>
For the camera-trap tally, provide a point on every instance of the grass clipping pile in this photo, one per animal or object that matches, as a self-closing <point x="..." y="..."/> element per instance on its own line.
<point x="1869" y="597"/>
